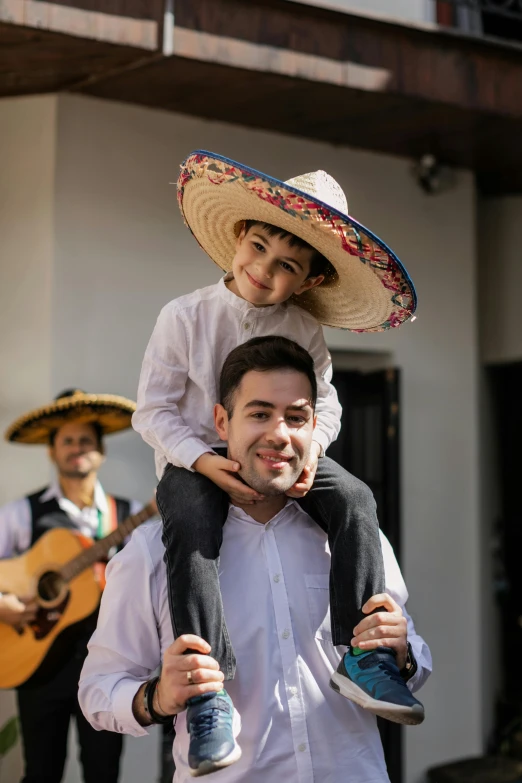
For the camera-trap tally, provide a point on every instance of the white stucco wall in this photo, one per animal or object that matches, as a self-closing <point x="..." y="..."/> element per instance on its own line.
<point x="413" y="11"/>
<point x="121" y="252"/>
<point x="27" y="136"/>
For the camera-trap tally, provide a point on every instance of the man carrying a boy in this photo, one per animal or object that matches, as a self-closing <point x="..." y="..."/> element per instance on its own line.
<point x="274" y="573"/>
<point x="294" y="260"/>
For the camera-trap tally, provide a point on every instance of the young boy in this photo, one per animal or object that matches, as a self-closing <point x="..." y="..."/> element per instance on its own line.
<point x="294" y="260"/>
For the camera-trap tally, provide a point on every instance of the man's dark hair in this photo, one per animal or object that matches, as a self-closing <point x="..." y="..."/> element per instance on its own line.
<point x="98" y="429"/>
<point x="263" y="354"/>
<point x="319" y="265"/>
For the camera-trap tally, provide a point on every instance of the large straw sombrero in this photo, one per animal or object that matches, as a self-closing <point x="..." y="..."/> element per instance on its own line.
<point x="371" y="290"/>
<point x="111" y="412"/>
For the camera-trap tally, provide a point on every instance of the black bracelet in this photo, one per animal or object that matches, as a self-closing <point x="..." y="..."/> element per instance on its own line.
<point x="410" y="666"/>
<point x="148" y="697"/>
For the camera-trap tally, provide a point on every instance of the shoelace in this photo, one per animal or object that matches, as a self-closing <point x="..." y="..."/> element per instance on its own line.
<point x="394" y="676"/>
<point x="204" y="723"/>
<point x="383" y="664"/>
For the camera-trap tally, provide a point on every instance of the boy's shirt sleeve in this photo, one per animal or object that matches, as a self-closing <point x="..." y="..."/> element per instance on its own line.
<point x="328" y="408"/>
<point x="163" y="379"/>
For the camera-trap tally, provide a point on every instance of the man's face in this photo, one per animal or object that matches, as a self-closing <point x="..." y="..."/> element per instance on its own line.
<point x="76" y="451"/>
<point x="270" y="430"/>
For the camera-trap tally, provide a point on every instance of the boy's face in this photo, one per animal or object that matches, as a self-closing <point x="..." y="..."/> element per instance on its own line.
<point x="267" y="270"/>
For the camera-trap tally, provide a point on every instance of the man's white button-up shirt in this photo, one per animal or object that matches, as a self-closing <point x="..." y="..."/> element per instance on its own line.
<point x="295" y="728"/>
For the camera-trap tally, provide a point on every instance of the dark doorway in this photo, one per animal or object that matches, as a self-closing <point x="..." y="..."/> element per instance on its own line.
<point x="506" y="382"/>
<point x="368" y="446"/>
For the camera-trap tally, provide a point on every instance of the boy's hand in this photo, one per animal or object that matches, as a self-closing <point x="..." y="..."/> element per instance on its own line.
<point x="306" y="479"/>
<point x="384" y="628"/>
<point x="221" y="471"/>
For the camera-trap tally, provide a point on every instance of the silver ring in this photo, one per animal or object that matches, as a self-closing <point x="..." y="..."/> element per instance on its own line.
<point x="189" y="678"/>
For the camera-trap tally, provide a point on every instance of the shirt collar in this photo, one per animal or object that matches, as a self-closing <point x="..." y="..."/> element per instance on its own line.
<point x="239" y="515"/>
<point x="54" y="491"/>
<point x="241" y="304"/>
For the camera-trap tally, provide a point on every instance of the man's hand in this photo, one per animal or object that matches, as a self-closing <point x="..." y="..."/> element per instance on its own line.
<point x="306" y="479"/>
<point x="186" y="676"/>
<point x="383" y="629"/>
<point x="221" y="471"/>
<point x="17" y="611"/>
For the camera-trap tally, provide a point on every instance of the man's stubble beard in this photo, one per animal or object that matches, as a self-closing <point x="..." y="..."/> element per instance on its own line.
<point x="269" y="487"/>
<point x="75" y="473"/>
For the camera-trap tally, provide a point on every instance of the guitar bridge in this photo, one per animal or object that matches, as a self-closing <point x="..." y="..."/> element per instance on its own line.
<point x="46" y="619"/>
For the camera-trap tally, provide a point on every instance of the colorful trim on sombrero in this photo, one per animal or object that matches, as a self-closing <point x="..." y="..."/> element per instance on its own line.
<point x="380" y="258"/>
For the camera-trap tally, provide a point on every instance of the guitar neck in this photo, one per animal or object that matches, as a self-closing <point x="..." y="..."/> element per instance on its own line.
<point x="100" y="549"/>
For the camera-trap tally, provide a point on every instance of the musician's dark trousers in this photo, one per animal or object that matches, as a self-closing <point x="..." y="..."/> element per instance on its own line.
<point x="194" y="511"/>
<point x="45" y="712"/>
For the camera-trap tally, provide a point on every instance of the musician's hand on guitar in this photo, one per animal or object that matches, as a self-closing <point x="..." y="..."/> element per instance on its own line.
<point x="185" y="676"/>
<point x="17" y="611"/>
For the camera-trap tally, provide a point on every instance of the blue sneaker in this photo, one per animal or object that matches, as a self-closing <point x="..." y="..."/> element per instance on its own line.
<point x="373" y="681"/>
<point x="209" y="724"/>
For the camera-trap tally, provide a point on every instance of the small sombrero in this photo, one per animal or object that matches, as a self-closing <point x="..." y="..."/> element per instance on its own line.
<point x="370" y="291"/>
<point x="111" y="412"/>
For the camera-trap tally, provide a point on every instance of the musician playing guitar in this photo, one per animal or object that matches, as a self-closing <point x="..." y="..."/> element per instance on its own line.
<point x="73" y="427"/>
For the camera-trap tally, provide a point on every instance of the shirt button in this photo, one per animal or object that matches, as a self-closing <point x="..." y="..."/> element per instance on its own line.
<point x="276" y="577"/>
<point x="302" y="747"/>
<point x="246" y="325"/>
<point x="293" y="691"/>
<point x="285" y="634"/>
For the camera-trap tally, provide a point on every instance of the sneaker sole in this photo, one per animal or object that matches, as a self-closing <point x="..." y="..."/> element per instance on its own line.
<point x="410" y="716"/>
<point x="207" y="767"/>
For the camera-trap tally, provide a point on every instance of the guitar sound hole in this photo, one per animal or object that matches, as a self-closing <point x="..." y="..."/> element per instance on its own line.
<point x="50" y="586"/>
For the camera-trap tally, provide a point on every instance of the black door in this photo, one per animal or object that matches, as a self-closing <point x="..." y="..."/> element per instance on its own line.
<point x="505" y="383"/>
<point x="368" y="447"/>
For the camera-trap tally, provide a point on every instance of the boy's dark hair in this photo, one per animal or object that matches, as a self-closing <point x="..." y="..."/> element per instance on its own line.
<point x="263" y="354"/>
<point x="319" y="265"/>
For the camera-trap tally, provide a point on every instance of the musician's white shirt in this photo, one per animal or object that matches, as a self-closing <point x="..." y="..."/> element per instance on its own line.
<point x="15" y="518"/>
<point x="274" y="581"/>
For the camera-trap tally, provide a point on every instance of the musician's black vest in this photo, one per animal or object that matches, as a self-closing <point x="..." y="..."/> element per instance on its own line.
<point x="46" y="515"/>
<point x="73" y="640"/>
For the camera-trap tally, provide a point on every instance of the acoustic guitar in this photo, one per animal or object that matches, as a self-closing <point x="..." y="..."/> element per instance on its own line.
<point x="62" y="571"/>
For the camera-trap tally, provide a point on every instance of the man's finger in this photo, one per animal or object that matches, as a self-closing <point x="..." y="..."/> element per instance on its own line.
<point x="201" y="675"/>
<point x="392" y="641"/>
<point x="380" y="632"/>
<point x="185" y="663"/>
<point x="379" y="618"/>
<point x="188" y="641"/>
<point x="381" y="599"/>
<point x="200" y="688"/>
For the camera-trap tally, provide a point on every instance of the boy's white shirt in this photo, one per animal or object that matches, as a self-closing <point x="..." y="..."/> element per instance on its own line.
<point x="180" y="373"/>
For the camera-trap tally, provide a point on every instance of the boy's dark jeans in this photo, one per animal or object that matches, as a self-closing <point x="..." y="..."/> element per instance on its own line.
<point x="194" y="510"/>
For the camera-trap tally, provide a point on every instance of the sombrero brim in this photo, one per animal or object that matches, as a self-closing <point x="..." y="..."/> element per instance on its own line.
<point x="111" y="412"/>
<point x="371" y="291"/>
